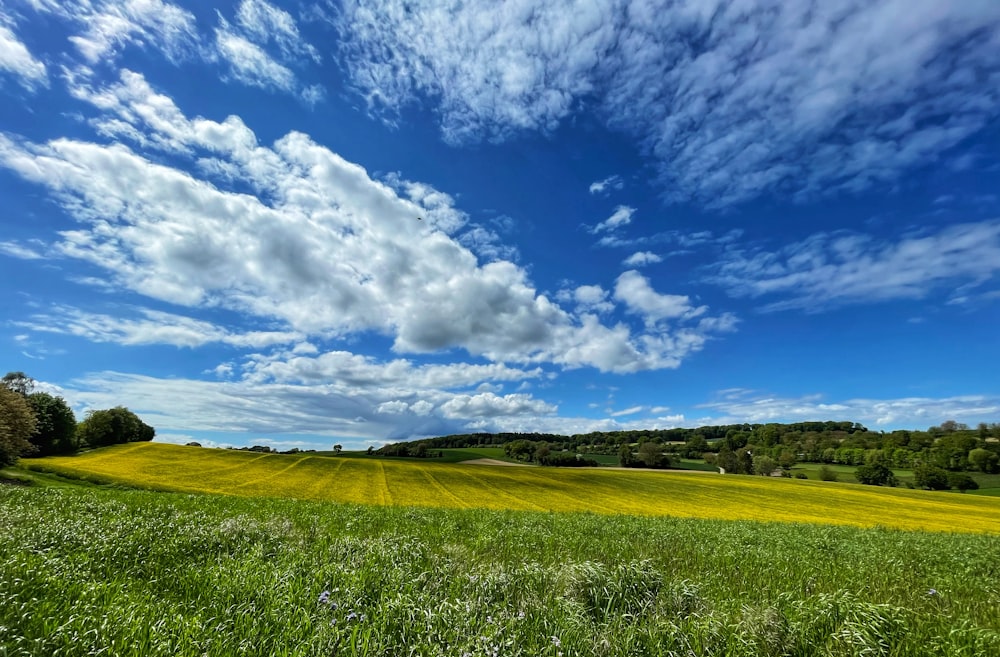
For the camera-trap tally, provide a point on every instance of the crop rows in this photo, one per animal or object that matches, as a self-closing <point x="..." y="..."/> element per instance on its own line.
<point x="605" y="491"/>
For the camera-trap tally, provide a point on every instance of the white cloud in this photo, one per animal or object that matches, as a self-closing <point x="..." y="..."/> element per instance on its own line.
<point x="622" y="216"/>
<point x="107" y="27"/>
<point x="15" y="58"/>
<point x="319" y="247"/>
<point x="628" y="411"/>
<point x="156" y="327"/>
<point x="611" y="182"/>
<point x="633" y="289"/>
<point x="250" y="64"/>
<point x="353" y="370"/>
<point x="641" y="258"/>
<point x="17" y="250"/>
<point x="264" y="23"/>
<point x="734" y="99"/>
<point x="487" y="404"/>
<point x="833" y="269"/>
<point x="250" y="411"/>
<point x="906" y="412"/>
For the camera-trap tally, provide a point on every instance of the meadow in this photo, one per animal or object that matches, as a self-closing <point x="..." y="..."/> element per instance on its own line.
<point x="138" y="573"/>
<point x="418" y="483"/>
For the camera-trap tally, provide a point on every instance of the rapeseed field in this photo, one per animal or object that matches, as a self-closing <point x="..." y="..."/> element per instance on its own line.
<point x="459" y="486"/>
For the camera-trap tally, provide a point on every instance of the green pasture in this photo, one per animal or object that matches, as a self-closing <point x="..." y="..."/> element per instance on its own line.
<point x="143" y="574"/>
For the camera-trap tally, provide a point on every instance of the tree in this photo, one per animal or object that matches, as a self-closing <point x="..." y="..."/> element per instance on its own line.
<point x="19" y="382"/>
<point x="875" y="474"/>
<point x="337" y="448"/>
<point x="961" y="481"/>
<point x="55" y="430"/>
<point x="652" y="456"/>
<point x="625" y="458"/>
<point x="112" y="427"/>
<point x="931" y="477"/>
<point x="984" y="460"/>
<point x="764" y="465"/>
<point x="17" y="424"/>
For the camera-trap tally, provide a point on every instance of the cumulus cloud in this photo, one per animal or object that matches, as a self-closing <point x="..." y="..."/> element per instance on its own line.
<point x="633" y="289"/>
<point x="733" y="99"/>
<point x="833" y="269"/>
<point x="15" y="58"/>
<point x="319" y="247"/>
<point x="641" y="258"/>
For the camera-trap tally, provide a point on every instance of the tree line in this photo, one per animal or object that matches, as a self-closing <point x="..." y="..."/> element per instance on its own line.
<point x="35" y="423"/>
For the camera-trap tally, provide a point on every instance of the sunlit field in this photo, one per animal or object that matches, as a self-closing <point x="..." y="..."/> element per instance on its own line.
<point x="414" y="483"/>
<point x="135" y="573"/>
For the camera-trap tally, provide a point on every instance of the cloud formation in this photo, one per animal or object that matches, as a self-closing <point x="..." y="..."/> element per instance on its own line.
<point x="834" y="269"/>
<point x="733" y="99"/>
<point x="319" y="248"/>
<point x="15" y="58"/>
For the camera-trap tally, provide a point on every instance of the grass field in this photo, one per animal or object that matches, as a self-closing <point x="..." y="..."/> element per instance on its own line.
<point x="598" y="490"/>
<point x="142" y="574"/>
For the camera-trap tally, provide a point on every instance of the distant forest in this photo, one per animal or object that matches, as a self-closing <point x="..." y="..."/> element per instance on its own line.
<point x="952" y="446"/>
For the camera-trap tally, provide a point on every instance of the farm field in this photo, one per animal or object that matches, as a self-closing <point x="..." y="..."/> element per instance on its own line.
<point x="411" y="483"/>
<point x="136" y="573"/>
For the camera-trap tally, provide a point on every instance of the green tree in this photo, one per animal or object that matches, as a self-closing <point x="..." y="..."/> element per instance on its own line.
<point x="984" y="460"/>
<point x="764" y="465"/>
<point x="652" y="456"/>
<point x="961" y="482"/>
<point x="337" y="448"/>
<point x="17" y="424"/>
<point x="875" y="474"/>
<point x="625" y="457"/>
<point x="18" y="382"/>
<point x="55" y="424"/>
<point x="931" y="477"/>
<point x="113" y="426"/>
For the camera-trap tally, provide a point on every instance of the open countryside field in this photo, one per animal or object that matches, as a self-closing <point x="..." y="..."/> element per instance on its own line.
<point x="605" y="491"/>
<point x="135" y="573"/>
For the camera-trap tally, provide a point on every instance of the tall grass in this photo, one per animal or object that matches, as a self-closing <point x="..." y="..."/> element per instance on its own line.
<point x="87" y="572"/>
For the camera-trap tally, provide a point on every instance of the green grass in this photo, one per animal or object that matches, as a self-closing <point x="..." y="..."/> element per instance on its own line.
<point x="133" y="573"/>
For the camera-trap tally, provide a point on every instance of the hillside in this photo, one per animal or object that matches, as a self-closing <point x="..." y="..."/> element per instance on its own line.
<point x="605" y="491"/>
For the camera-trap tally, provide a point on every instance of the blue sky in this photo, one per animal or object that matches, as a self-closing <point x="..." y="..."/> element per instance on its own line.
<point x="302" y="223"/>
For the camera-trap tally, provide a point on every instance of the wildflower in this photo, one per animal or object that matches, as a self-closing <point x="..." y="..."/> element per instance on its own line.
<point x="556" y="642"/>
<point x="351" y="616"/>
<point x="932" y="592"/>
<point x="324" y="597"/>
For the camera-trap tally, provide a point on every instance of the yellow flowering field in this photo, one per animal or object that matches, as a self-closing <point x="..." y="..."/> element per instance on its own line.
<point x="598" y="490"/>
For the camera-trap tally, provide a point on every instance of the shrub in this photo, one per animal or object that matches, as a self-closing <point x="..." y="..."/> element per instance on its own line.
<point x="827" y="474"/>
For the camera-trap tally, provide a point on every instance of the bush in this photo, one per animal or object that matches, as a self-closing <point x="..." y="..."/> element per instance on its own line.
<point x="801" y="475"/>
<point x="827" y="474"/>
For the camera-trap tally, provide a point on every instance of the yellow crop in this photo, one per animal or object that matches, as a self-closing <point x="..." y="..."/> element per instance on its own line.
<point x="607" y="491"/>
